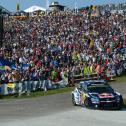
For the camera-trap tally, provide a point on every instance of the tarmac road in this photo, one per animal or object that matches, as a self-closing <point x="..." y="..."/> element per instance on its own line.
<point x="57" y="110"/>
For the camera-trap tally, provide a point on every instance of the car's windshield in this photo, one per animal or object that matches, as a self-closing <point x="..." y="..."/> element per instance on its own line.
<point x="100" y="89"/>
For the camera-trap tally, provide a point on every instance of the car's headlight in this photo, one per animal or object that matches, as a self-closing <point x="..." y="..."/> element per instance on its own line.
<point x="94" y="100"/>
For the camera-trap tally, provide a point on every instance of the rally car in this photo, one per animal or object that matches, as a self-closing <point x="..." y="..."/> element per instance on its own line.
<point x="96" y="94"/>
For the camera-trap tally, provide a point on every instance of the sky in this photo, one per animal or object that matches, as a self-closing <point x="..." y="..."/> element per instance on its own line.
<point x="24" y="4"/>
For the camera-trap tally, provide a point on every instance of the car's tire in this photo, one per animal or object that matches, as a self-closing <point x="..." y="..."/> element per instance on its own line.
<point x="86" y="104"/>
<point x="121" y="103"/>
<point x="73" y="100"/>
<point x="120" y="107"/>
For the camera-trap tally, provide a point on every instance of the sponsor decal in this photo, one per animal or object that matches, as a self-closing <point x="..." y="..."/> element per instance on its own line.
<point x="106" y="95"/>
<point x="82" y="97"/>
<point x="11" y="85"/>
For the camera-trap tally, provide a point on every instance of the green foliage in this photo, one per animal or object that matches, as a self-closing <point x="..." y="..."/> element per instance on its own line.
<point x="121" y="79"/>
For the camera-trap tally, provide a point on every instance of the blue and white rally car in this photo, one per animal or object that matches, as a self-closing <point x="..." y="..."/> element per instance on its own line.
<point x="96" y="94"/>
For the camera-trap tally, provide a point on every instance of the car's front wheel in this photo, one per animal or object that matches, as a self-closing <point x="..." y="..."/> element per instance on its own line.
<point x="73" y="100"/>
<point x="86" y="104"/>
<point x="120" y="104"/>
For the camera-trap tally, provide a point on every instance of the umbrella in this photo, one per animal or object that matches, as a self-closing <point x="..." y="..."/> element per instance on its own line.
<point x="33" y="9"/>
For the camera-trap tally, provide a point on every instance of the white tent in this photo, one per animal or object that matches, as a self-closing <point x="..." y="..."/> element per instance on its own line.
<point x="34" y="8"/>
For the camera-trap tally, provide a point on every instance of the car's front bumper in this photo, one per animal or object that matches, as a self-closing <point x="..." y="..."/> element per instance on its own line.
<point x="106" y="105"/>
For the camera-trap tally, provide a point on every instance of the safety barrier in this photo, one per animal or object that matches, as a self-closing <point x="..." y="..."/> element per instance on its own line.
<point x="92" y="76"/>
<point x="30" y="86"/>
<point x="110" y="76"/>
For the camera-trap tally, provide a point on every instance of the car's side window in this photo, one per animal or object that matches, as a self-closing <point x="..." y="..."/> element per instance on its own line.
<point x="77" y="87"/>
<point x="84" y="88"/>
<point x="80" y="88"/>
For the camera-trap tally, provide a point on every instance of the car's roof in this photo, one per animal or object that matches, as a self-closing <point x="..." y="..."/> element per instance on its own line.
<point x="93" y="82"/>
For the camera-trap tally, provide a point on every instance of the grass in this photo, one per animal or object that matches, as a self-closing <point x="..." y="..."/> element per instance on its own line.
<point x="40" y="93"/>
<point x="121" y="79"/>
<point x="124" y="101"/>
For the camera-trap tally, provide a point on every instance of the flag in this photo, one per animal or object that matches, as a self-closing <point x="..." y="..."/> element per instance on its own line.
<point x="18" y="6"/>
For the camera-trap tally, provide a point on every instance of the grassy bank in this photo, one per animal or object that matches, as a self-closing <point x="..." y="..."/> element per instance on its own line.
<point x="40" y="93"/>
<point x="120" y="79"/>
<point x="124" y="101"/>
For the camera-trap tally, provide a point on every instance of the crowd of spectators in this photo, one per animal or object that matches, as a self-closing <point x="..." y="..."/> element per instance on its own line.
<point x="59" y="45"/>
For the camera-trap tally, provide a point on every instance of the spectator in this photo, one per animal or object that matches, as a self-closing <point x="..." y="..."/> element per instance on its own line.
<point x="48" y="44"/>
